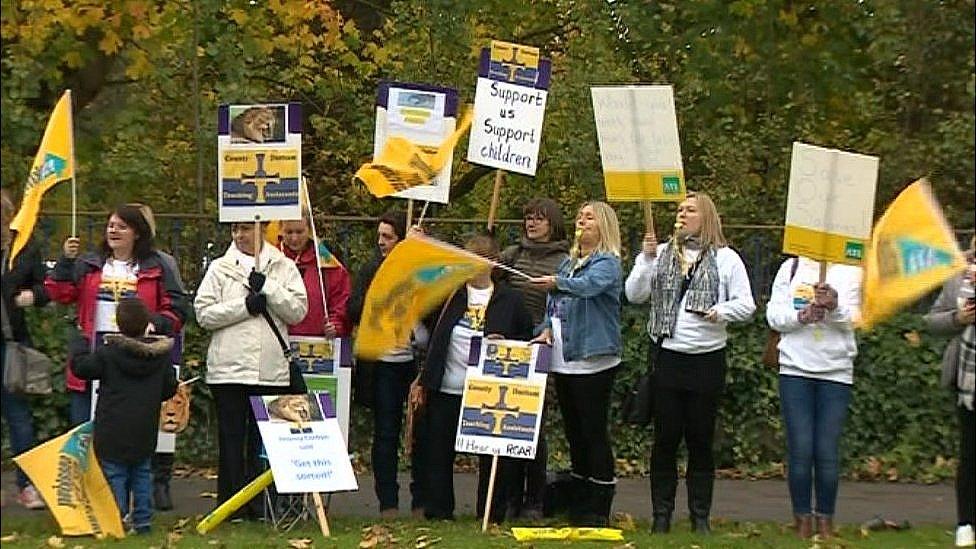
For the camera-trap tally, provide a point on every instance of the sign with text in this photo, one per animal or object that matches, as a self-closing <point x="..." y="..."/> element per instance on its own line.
<point x="259" y="161"/>
<point x="639" y="148"/>
<point x="509" y="106"/>
<point x="426" y="116"/>
<point x="326" y="365"/>
<point x="831" y="204"/>
<point x="304" y="444"/>
<point x="504" y="396"/>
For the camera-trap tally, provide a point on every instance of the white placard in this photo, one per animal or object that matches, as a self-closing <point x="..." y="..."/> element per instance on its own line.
<point x="507" y="128"/>
<point x="320" y="361"/>
<point x="304" y="443"/>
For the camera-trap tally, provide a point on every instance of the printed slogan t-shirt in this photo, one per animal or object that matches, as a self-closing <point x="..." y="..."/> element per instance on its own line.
<point x="472" y="324"/>
<point x="118" y="281"/>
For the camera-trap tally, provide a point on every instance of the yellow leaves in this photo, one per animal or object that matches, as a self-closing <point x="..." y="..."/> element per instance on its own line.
<point x="73" y="59"/>
<point x="425" y="541"/>
<point x="139" y="65"/>
<point x="788" y="18"/>
<point x="55" y="542"/>
<point x="238" y="16"/>
<point x="377" y="535"/>
<point x="140" y="31"/>
<point x="110" y="43"/>
<point x="9" y="538"/>
<point x="300" y="543"/>
<point x="912" y="337"/>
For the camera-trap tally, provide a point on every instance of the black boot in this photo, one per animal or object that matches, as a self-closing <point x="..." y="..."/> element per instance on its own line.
<point x="700" y="487"/>
<point x="663" y="488"/>
<point x="162" y="470"/>
<point x="599" y="504"/>
<point x="579" y="504"/>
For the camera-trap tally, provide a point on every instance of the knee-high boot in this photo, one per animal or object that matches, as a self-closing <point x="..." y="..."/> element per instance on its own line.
<point x="700" y="488"/>
<point x="663" y="488"/>
<point x="600" y="503"/>
<point x="162" y="471"/>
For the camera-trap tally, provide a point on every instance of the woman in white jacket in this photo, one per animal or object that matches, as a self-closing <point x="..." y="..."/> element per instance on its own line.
<point x="696" y="285"/>
<point x="244" y="357"/>
<point x="816" y="370"/>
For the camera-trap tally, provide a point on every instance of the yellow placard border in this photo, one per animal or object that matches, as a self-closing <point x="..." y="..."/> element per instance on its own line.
<point x="639" y="186"/>
<point x="824" y="246"/>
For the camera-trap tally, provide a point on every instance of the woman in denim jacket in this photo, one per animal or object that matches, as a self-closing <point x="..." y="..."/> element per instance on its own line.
<point x="583" y="325"/>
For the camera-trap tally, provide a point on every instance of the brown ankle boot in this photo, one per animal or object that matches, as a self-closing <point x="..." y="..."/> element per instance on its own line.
<point x="825" y="526"/>
<point x="803" y="525"/>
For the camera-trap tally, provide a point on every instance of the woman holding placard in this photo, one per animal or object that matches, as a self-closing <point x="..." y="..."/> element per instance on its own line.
<point x="816" y="369"/>
<point x="696" y="284"/>
<point x="583" y="325"/>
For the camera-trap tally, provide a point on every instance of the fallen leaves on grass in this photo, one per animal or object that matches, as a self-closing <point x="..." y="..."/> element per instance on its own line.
<point x="56" y="542"/>
<point x="624" y="521"/>
<point x="300" y="543"/>
<point x="422" y="542"/>
<point x="9" y="538"/>
<point x="377" y="535"/>
<point x="212" y="495"/>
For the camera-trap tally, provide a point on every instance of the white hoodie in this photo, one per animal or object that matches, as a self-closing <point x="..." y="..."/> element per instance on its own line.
<point x="824" y="350"/>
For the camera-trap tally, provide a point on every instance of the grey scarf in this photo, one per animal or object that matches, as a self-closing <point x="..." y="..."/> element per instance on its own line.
<point x="702" y="292"/>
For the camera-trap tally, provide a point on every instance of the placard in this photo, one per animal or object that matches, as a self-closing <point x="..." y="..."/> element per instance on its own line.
<point x="326" y="365"/>
<point x="304" y="444"/>
<point x="259" y="161"/>
<point x="503" y="399"/>
<point x="637" y="129"/>
<point x="425" y="115"/>
<point x="831" y="204"/>
<point x="509" y="107"/>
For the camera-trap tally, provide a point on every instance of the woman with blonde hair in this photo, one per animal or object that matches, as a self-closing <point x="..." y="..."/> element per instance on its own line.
<point x="583" y="325"/>
<point x="696" y="285"/>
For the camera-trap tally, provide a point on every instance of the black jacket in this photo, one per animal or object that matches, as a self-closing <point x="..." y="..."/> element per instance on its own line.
<point x="505" y="315"/>
<point x="136" y="377"/>
<point x="27" y="274"/>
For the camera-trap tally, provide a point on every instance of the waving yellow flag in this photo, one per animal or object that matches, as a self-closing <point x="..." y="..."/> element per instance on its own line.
<point x="54" y="162"/>
<point x="418" y="275"/>
<point x="912" y="251"/>
<point x="66" y="473"/>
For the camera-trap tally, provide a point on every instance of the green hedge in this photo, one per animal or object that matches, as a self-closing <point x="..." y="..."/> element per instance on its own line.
<point x="902" y="424"/>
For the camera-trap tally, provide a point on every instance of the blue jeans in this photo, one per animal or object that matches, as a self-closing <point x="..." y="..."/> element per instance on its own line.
<point x="390" y="387"/>
<point x="17" y="414"/>
<point x="79" y="406"/>
<point x="814" y="412"/>
<point x="135" y="478"/>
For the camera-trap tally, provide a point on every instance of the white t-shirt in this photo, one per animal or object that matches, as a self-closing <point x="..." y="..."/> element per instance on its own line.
<point x="472" y="324"/>
<point x="590" y="365"/>
<point x="118" y="281"/>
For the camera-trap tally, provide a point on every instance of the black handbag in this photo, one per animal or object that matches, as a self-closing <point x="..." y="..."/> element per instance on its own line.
<point x="638" y="405"/>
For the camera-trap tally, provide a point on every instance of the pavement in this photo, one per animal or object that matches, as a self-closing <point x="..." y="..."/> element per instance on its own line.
<point x="736" y="500"/>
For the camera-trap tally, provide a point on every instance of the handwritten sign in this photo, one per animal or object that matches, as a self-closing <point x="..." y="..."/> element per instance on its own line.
<point x="509" y="106"/>
<point x="425" y="115"/>
<point x="259" y="161"/>
<point x="326" y="365"/>
<point x="639" y="148"/>
<point x="503" y="399"/>
<point x="304" y="444"/>
<point x="831" y="204"/>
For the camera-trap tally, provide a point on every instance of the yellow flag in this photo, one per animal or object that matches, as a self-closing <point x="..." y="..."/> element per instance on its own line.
<point x="55" y="162"/>
<point x="418" y="275"/>
<point x="403" y="164"/>
<point x="912" y="251"/>
<point x="67" y="475"/>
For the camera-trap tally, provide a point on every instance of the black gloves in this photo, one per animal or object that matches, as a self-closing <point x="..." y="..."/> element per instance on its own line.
<point x="256" y="281"/>
<point x="256" y="303"/>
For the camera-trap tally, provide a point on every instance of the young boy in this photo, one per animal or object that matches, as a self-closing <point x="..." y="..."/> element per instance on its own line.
<point x="136" y="377"/>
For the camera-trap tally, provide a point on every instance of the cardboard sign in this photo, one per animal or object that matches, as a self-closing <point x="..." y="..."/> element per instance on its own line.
<point x="831" y="204"/>
<point x="423" y="114"/>
<point x="304" y="444"/>
<point x="326" y="365"/>
<point x="639" y="148"/>
<point x="509" y="106"/>
<point x="503" y="399"/>
<point x="259" y="162"/>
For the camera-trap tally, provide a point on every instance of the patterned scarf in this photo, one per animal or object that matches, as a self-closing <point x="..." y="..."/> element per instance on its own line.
<point x="966" y="374"/>
<point x="666" y="286"/>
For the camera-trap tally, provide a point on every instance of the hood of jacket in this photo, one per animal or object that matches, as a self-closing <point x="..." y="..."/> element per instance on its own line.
<point x="143" y="347"/>
<point x="544" y="248"/>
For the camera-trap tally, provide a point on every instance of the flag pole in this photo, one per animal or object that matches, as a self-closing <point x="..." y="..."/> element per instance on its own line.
<point x="74" y="168"/>
<point x="315" y="244"/>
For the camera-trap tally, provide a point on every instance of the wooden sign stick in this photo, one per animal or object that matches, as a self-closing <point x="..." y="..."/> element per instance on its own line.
<point x="258" y="237"/>
<point x="496" y="191"/>
<point x="648" y="217"/>
<point x="409" y="213"/>
<point x="491" y="489"/>
<point x="823" y="271"/>
<point x="320" y="511"/>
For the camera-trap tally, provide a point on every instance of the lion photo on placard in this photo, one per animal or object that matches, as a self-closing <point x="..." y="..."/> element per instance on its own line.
<point x="257" y="124"/>
<point x="175" y="412"/>
<point x="299" y="410"/>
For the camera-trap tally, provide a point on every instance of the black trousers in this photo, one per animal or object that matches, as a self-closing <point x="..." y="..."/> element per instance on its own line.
<point x="686" y="395"/>
<point x="966" y="474"/>
<point x="441" y="424"/>
<point x="584" y="400"/>
<point x="239" y="442"/>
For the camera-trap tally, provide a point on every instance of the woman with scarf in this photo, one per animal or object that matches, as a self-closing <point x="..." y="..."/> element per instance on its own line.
<point x="583" y="325"/>
<point x="541" y="250"/>
<point x="696" y="284"/>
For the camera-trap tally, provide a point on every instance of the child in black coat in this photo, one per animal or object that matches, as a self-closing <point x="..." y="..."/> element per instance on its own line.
<point x="136" y="377"/>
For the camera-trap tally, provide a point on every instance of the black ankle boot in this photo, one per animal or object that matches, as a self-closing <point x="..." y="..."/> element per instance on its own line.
<point x="161" y="498"/>
<point x="579" y="504"/>
<point x="700" y="487"/>
<point x="663" y="488"/>
<point x="599" y="504"/>
<point x="662" y="524"/>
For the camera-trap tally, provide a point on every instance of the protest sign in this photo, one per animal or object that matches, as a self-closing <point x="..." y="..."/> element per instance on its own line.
<point x="304" y="444"/>
<point x="509" y="105"/>
<point x="422" y="115"/>
<point x="503" y="399"/>
<point x="640" y="152"/>
<point x="326" y="365"/>
<point x="259" y="161"/>
<point x="831" y="204"/>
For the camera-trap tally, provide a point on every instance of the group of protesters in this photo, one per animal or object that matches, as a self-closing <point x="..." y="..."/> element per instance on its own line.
<point x="130" y="301"/>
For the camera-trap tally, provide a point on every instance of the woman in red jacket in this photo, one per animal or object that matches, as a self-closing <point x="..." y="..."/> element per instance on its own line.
<point x="298" y="245"/>
<point x="125" y="265"/>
